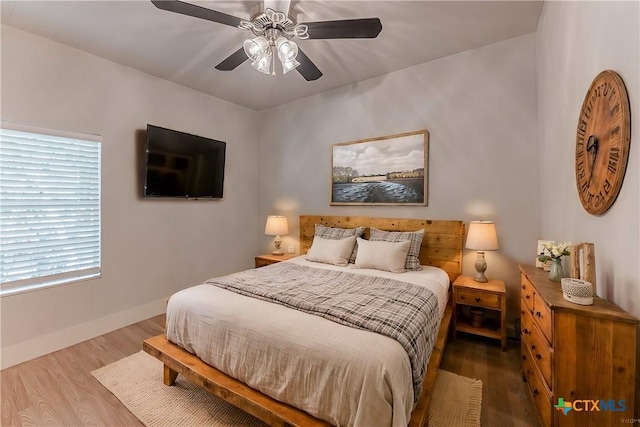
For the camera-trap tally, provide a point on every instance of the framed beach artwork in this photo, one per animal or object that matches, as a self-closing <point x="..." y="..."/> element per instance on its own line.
<point x="390" y="170"/>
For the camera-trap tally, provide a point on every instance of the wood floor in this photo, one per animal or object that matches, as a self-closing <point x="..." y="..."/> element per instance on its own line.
<point x="505" y="398"/>
<point x="58" y="389"/>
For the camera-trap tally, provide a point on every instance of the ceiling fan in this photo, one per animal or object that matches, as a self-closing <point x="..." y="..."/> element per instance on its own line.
<point x="274" y="24"/>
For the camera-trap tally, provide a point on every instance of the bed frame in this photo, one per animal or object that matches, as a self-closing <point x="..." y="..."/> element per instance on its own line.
<point x="441" y="247"/>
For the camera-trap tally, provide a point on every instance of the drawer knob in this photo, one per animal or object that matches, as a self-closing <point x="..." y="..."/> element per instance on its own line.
<point x="477" y="299"/>
<point x="461" y="296"/>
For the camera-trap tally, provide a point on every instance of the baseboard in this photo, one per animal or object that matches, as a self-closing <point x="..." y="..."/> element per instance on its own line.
<point x="46" y="344"/>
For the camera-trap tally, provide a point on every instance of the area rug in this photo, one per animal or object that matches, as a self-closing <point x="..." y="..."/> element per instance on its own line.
<point x="137" y="382"/>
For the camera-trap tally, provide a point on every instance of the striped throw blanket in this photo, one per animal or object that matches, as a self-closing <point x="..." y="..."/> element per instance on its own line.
<point x="403" y="311"/>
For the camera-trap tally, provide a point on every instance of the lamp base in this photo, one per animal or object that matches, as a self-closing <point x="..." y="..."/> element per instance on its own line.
<point x="277" y="241"/>
<point x="481" y="267"/>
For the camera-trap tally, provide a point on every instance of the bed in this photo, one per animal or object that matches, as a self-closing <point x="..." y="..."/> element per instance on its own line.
<point x="384" y="371"/>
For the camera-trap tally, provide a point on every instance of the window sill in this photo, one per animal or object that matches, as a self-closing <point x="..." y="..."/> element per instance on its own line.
<point x="11" y="291"/>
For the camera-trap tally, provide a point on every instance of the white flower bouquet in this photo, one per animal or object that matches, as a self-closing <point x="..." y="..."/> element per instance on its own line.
<point x="553" y="250"/>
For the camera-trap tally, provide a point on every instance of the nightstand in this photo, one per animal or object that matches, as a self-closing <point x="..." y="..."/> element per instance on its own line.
<point x="268" y="259"/>
<point x="480" y="299"/>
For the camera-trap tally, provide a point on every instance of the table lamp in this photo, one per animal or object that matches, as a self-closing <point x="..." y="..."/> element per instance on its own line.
<point x="482" y="237"/>
<point x="276" y="226"/>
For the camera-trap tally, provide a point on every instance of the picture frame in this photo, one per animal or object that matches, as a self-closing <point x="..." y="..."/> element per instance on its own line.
<point x="541" y="244"/>
<point x="389" y="170"/>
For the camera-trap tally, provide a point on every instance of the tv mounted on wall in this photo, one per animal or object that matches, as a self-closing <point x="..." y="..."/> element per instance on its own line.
<point x="182" y="165"/>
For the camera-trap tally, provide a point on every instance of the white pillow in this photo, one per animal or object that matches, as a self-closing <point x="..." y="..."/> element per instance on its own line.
<point x="381" y="255"/>
<point x="415" y="237"/>
<point x="328" y="251"/>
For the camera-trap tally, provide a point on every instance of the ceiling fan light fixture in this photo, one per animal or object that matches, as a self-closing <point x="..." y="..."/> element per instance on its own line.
<point x="263" y="64"/>
<point x="287" y="50"/>
<point x="288" y="66"/>
<point x="256" y="48"/>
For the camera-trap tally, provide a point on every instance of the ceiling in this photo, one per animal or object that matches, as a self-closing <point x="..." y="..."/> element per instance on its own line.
<point x="185" y="50"/>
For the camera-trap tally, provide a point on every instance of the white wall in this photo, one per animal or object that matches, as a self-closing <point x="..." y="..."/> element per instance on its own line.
<point x="576" y="41"/>
<point x="480" y="109"/>
<point x="151" y="248"/>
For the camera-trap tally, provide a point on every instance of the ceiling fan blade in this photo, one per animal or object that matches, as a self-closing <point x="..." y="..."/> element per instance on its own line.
<point x="196" y="11"/>
<point x="367" y="28"/>
<point x="307" y="69"/>
<point x="233" y="60"/>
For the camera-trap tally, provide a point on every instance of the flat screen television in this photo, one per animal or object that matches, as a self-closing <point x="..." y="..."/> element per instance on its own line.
<point x="182" y="165"/>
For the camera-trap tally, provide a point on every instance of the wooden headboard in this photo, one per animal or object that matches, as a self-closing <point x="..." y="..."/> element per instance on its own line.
<point x="441" y="245"/>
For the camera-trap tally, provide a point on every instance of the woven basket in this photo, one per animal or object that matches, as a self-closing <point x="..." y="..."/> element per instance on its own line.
<point x="577" y="291"/>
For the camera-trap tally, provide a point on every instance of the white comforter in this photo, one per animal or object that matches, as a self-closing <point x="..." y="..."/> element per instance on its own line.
<point x="340" y="374"/>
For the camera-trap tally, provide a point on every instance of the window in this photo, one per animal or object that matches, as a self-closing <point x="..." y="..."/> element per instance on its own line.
<point x="49" y="208"/>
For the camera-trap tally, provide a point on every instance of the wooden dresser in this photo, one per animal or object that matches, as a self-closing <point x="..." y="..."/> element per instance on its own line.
<point x="576" y="353"/>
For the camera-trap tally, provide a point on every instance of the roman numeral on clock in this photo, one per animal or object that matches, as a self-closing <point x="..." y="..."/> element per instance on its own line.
<point x="614" y="156"/>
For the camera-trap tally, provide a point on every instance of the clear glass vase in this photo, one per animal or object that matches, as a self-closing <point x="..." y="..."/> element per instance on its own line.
<point x="555" y="273"/>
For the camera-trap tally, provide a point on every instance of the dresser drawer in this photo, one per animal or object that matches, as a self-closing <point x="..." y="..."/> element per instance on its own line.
<point x="527" y="325"/>
<point x="542" y="317"/>
<point x="480" y="299"/>
<point x="526" y="292"/>
<point x="538" y="347"/>
<point x="542" y="397"/>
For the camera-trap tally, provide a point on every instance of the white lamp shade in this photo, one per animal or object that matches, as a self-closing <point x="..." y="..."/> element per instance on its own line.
<point x="276" y="226"/>
<point x="482" y="236"/>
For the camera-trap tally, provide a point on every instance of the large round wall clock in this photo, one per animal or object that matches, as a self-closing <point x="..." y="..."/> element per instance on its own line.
<point x="602" y="142"/>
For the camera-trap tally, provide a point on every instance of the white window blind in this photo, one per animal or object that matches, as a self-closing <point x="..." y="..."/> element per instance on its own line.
<point x="49" y="208"/>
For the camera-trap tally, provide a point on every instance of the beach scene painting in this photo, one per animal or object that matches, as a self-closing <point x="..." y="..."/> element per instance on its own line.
<point x="390" y="170"/>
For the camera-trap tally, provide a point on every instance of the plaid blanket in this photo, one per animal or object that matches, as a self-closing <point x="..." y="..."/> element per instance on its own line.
<point x="403" y="311"/>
